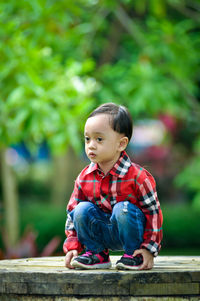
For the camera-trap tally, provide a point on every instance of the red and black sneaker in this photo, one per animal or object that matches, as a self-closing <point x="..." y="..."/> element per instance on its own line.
<point x="90" y="260"/>
<point x="129" y="262"/>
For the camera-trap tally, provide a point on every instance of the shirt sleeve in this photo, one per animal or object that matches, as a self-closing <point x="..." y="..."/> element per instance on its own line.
<point x="71" y="242"/>
<point x="150" y="206"/>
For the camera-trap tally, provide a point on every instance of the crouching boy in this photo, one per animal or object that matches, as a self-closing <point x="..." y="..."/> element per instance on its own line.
<point x="114" y="205"/>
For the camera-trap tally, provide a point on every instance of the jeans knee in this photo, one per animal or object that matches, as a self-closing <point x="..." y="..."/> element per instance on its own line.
<point x="124" y="211"/>
<point x="81" y="211"/>
<point x="119" y="212"/>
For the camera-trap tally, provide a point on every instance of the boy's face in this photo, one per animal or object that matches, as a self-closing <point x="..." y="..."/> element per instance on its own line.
<point x="102" y="144"/>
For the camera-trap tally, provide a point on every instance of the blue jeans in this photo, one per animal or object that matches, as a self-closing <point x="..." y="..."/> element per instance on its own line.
<point x="121" y="230"/>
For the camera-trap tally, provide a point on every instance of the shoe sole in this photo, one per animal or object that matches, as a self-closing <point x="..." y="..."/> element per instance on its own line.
<point x="77" y="264"/>
<point x="121" y="266"/>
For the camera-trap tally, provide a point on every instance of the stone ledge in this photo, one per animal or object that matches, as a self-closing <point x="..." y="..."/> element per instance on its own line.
<point x="48" y="279"/>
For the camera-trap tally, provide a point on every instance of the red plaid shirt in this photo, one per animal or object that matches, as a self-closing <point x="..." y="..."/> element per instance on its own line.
<point x="125" y="181"/>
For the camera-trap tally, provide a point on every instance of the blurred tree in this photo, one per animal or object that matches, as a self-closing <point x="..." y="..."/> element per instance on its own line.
<point x="44" y="91"/>
<point x="150" y="62"/>
<point x="154" y="68"/>
<point x="59" y="59"/>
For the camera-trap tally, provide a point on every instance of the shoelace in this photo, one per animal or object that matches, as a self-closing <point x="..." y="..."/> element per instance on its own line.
<point x="87" y="253"/>
<point x="127" y="256"/>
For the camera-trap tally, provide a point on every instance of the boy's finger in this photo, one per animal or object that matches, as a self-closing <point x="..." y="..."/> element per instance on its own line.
<point x="146" y="266"/>
<point x="143" y="266"/>
<point x="69" y="266"/>
<point x="67" y="262"/>
<point x="136" y="252"/>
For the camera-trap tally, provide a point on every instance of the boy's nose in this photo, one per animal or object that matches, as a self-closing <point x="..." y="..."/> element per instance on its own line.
<point x="92" y="145"/>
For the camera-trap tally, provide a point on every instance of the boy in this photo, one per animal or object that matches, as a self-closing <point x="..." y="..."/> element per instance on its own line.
<point x="114" y="204"/>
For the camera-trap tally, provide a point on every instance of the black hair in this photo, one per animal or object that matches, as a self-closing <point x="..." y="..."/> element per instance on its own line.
<point x="120" y="120"/>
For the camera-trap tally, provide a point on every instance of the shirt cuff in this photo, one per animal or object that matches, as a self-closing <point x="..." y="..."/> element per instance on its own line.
<point x="72" y="243"/>
<point x="152" y="247"/>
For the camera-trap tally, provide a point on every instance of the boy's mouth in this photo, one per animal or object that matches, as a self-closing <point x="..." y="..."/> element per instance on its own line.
<point x="91" y="155"/>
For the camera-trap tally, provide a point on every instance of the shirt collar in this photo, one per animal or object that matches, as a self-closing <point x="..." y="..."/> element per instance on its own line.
<point x="119" y="169"/>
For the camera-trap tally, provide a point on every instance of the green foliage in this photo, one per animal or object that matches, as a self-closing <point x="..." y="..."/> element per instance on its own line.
<point x="159" y="77"/>
<point x="46" y="220"/>
<point x="181" y="227"/>
<point x="45" y="92"/>
<point x="59" y="59"/>
<point x="190" y="176"/>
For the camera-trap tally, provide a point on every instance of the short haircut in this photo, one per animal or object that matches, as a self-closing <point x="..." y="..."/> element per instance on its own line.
<point x="120" y="120"/>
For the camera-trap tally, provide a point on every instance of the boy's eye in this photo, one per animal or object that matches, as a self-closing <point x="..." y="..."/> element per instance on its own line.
<point x="99" y="139"/>
<point x="87" y="139"/>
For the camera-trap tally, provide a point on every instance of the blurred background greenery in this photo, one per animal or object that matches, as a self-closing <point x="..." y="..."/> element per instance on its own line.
<point x="58" y="61"/>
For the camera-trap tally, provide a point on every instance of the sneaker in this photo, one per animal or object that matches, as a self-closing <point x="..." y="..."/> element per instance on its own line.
<point x="128" y="262"/>
<point x="89" y="260"/>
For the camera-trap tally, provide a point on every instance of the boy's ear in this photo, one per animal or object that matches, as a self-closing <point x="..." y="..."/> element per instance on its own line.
<point x="123" y="143"/>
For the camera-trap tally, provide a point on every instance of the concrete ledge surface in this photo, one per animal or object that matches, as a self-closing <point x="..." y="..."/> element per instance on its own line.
<point x="46" y="278"/>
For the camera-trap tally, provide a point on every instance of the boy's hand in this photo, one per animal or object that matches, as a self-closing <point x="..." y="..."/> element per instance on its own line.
<point x="148" y="259"/>
<point x="69" y="256"/>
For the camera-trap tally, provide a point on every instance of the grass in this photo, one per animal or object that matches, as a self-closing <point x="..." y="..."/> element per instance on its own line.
<point x="180" y="252"/>
<point x="181" y="228"/>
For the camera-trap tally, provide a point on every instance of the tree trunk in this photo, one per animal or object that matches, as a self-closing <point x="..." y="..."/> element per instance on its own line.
<point x="112" y="44"/>
<point x="66" y="168"/>
<point x="10" y="197"/>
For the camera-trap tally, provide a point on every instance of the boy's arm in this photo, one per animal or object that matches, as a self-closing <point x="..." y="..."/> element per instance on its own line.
<point x="150" y="206"/>
<point x="71" y="242"/>
<point x="71" y="245"/>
